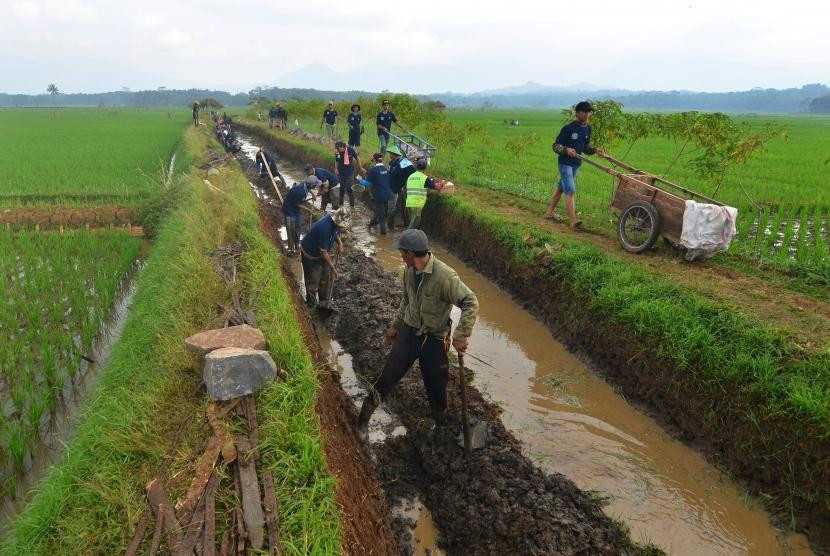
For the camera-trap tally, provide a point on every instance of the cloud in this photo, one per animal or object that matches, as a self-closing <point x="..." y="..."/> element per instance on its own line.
<point x="24" y="9"/>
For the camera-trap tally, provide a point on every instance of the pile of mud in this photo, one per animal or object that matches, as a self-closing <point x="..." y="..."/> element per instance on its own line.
<point x="45" y="216"/>
<point x="495" y="502"/>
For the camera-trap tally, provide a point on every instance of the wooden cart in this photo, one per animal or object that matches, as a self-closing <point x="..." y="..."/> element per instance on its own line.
<point x="645" y="207"/>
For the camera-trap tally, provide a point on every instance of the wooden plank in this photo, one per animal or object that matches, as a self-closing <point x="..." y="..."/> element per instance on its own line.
<point x="165" y="514"/>
<point x="208" y="546"/>
<point x="251" y="501"/>
<point x="272" y="517"/>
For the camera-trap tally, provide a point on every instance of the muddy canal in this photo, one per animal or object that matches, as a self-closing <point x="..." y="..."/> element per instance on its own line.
<point x="572" y="422"/>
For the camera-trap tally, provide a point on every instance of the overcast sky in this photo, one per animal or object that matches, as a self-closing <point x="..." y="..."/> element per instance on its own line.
<point x="421" y="46"/>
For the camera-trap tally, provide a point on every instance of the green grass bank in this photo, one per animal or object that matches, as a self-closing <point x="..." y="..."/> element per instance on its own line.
<point x="91" y="501"/>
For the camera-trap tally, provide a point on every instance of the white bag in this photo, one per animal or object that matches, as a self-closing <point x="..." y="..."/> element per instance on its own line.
<point x="707" y="229"/>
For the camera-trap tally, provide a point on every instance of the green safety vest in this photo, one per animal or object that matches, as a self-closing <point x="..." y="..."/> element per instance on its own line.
<point x="416" y="190"/>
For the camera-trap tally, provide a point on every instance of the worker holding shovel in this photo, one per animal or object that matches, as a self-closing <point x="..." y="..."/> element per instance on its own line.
<point x="292" y="204"/>
<point x="318" y="268"/>
<point x="421" y="329"/>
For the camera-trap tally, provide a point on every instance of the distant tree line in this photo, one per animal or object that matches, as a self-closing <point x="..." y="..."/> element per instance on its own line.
<point x="808" y="98"/>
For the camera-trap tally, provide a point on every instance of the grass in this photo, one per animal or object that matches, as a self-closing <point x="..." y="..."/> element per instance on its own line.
<point x="68" y="154"/>
<point x="59" y="289"/>
<point x="91" y="501"/>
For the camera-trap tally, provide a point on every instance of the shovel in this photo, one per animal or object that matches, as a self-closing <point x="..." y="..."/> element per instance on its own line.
<point x="326" y="311"/>
<point x="475" y="436"/>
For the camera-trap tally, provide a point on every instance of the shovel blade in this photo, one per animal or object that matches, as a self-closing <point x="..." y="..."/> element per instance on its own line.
<point x="479" y="435"/>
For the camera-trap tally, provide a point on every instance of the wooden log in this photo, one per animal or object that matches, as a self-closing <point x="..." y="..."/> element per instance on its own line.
<point x="242" y="532"/>
<point x="225" y="547"/>
<point x="140" y="531"/>
<point x="204" y="469"/>
<point x="154" y="545"/>
<point x="272" y="517"/>
<point x="208" y="546"/>
<point x="251" y="501"/>
<point x="165" y="514"/>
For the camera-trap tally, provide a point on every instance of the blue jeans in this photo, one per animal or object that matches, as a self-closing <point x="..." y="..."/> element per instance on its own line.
<point x="567" y="179"/>
<point x="384" y="140"/>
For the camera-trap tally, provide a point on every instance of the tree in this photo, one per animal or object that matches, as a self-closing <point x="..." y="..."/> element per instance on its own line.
<point x="820" y="105"/>
<point x="517" y="146"/>
<point x="52" y="89"/>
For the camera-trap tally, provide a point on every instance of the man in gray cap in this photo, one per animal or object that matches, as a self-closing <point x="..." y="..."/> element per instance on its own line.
<point x="421" y="329"/>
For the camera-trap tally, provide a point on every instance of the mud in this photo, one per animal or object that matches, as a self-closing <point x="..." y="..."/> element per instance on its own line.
<point x="56" y="216"/>
<point x="495" y="502"/>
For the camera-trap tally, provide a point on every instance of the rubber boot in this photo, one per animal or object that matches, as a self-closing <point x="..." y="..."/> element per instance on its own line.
<point x="439" y="421"/>
<point x="369" y="406"/>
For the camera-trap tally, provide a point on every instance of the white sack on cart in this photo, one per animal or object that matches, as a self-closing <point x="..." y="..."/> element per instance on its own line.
<point x="707" y="229"/>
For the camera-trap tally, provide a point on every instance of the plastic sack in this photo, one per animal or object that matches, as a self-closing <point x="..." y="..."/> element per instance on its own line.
<point x="707" y="229"/>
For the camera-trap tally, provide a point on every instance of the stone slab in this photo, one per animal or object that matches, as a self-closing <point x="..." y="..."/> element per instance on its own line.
<point x="242" y="336"/>
<point x="235" y="372"/>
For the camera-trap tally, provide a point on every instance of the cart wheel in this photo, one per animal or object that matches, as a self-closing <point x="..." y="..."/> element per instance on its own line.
<point x="639" y="226"/>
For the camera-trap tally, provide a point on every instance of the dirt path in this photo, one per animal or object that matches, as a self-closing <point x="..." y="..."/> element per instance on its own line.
<point x="765" y="297"/>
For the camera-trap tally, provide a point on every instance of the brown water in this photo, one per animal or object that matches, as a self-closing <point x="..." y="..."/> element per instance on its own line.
<point x="573" y="422"/>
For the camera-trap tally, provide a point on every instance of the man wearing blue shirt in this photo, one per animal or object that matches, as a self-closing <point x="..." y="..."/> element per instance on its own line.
<point x="272" y="117"/>
<point x="330" y="119"/>
<point x="328" y="181"/>
<point x="573" y="139"/>
<point x="355" y="123"/>
<point x="378" y="177"/>
<point x="318" y="268"/>
<point x="384" y="120"/>
<point x="291" y="205"/>
<point x="346" y="164"/>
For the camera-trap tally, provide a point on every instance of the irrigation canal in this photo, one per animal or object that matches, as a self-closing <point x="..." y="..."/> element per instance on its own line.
<point x="574" y="423"/>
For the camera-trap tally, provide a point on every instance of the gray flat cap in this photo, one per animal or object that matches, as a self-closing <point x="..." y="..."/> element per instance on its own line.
<point x="413" y="240"/>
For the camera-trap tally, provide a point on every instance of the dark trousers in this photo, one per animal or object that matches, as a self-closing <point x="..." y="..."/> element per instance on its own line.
<point x="432" y="358"/>
<point x="325" y="200"/>
<point x="346" y="185"/>
<point x="381" y="208"/>
<point x="317" y="276"/>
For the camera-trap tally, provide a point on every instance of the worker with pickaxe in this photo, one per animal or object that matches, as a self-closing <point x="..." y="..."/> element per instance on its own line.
<point x="422" y="326"/>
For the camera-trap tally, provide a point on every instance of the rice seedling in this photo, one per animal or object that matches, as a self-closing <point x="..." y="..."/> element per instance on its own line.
<point x="59" y="289"/>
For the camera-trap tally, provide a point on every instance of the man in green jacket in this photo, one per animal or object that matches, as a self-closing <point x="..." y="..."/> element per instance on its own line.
<point x="421" y="329"/>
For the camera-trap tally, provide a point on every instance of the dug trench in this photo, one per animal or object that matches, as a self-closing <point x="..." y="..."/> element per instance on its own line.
<point x="635" y="370"/>
<point x="495" y="502"/>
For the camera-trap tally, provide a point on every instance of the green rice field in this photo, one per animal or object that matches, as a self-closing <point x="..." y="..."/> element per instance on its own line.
<point x="77" y="154"/>
<point x="783" y="193"/>
<point x="58" y="292"/>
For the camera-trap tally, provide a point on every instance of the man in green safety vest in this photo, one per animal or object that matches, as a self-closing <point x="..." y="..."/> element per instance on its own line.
<point x="416" y="193"/>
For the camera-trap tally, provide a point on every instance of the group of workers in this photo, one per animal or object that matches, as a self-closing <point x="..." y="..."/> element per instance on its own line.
<point x="422" y="328"/>
<point x="354" y="122"/>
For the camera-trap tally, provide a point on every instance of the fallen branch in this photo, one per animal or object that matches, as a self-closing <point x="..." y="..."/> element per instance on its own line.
<point x="165" y="515"/>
